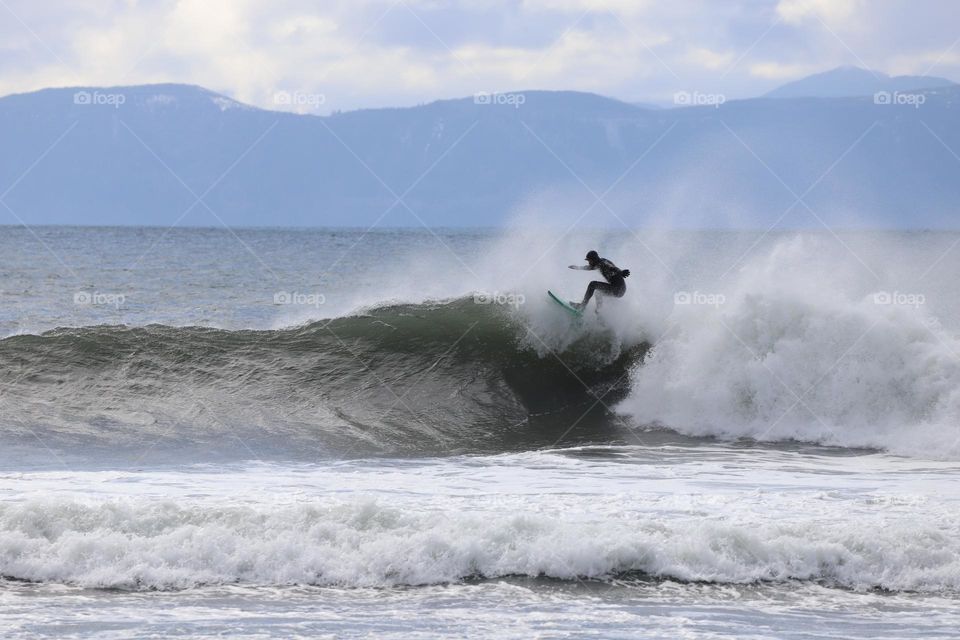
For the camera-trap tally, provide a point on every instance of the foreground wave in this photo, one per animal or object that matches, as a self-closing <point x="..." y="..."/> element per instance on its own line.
<point x="427" y="378"/>
<point x="128" y="544"/>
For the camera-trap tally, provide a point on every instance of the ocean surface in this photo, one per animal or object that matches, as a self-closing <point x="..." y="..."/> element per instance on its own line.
<point x="395" y="433"/>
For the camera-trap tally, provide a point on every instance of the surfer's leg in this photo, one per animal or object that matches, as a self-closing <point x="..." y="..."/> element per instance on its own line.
<point x="618" y="287"/>
<point x="596" y="285"/>
<point x="589" y="294"/>
<point x="615" y="289"/>
<point x="608" y="290"/>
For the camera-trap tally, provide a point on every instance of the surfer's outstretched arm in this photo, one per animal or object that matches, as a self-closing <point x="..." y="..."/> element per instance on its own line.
<point x="585" y="267"/>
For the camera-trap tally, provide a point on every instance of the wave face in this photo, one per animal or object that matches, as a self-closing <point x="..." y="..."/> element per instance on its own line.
<point x="425" y="378"/>
<point x="129" y="544"/>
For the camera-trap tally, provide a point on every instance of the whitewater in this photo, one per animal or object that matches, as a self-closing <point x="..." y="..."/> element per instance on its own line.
<point x="393" y="432"/>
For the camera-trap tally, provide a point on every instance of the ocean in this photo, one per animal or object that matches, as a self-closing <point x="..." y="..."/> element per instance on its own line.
<point x="396" y="433"/>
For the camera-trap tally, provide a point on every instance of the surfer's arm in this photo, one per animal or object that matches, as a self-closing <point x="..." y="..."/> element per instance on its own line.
<point x="585" y="267"/>
<point x="623" y="273"/>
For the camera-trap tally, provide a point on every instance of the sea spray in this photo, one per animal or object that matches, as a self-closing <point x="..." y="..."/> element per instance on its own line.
<point x="800" y="350"/>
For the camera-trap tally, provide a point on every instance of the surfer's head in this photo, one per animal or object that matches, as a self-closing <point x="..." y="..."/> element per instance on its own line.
<point x="592" y="257"/>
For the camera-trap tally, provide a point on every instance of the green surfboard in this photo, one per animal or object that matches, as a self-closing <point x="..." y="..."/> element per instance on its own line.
<point x="566" y="305"/>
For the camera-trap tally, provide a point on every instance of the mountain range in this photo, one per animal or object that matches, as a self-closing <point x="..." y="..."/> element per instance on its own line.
<point x="848" y="148"/>
<point x="848" y="82"/>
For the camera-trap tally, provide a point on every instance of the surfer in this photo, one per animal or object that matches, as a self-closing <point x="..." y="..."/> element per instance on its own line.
<point x="615" y="284"/>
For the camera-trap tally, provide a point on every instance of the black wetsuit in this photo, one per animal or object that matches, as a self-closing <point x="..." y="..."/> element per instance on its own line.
<point x="615" y="285"/>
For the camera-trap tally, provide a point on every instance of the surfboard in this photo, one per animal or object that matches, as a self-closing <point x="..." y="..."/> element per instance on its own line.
<point x="566" y="305"/>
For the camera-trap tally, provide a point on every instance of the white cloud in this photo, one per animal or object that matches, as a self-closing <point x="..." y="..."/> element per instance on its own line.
<point x="832" y="12"/>
<point x="925" y="62"/>
<point x="382" y="52"/>
<point x="618" y="6"/>
<point x="780" y="71"/>
<point x="707" y="59"/>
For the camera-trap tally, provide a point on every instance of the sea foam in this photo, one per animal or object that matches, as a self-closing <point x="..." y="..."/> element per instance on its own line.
<point x="149" y="544"/>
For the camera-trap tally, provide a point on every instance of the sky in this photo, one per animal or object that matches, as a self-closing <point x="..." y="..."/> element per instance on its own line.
<point x="320" y="57"/>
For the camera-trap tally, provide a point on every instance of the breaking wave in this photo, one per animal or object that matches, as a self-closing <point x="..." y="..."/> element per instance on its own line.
<point x="163" y="545"/>
<point x="422" y="378"/>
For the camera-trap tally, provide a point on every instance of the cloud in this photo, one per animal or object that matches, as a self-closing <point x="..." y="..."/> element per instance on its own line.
<point x="707" y="59"/>
<point x="831" y="12"/>
<point x="780" y="71"/>
<point x="925" y="62"/>
<point x="387" y="52"/>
